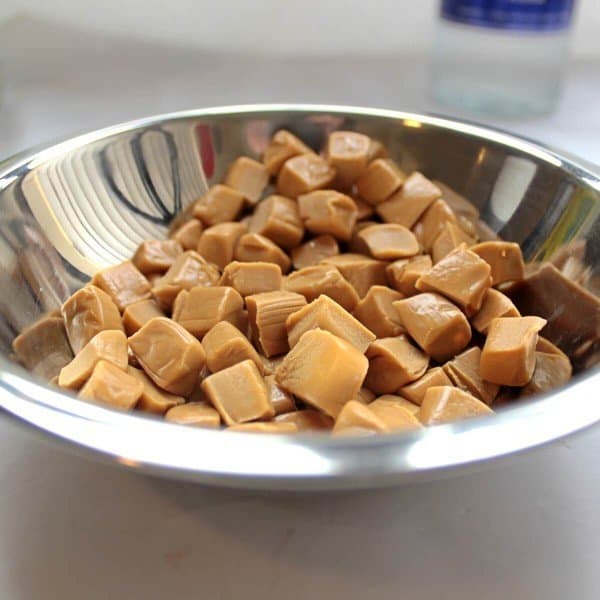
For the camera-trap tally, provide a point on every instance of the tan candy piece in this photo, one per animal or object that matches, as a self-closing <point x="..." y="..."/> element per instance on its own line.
<point x="403" y="274"/>
<point x="394" y="414"/>
<point x="188" y="234"/>
<point x="278" y="219"/>
<point x="220" y="204"/>
<point x="217" y="244"/>
<point x="407" y="205"/>
<point x="304" y="173"/>
<point x="225" y="346"/>
<point x="323" y="370"/>
<point x="389" y="241"/>
<point x="464" y="372"/>
<point x="253" y="247"/>
<point x="283" y="145"/>
<point x="508" y="356"/>
<point x="551" y="371"/>
<point x="239" y="393"/>
<point x="394" y="362"/>
<point x="407" y="405"/>
<point x="348" y="153"/>
<point x="544" y="345"/>
<point x="314" y="281"/>
<point x="139" y="313"/>
<point x="365" y="210"/>
<point x="376" y="312"/>
<point x="325" y="313"/>
<point x="363" y="272"/>
<point x="271" y="427"/>
<point x="156" y="256"/>
<point x="110" y="385"/>
<point x="328" y="212"/>
<point x="197" y="414"/>
<point x="358" y="418"/>
<point x="307" y="420"/>
<point x="450" y="238"/>
<point x="169" y="355"/>
<point x="252" y="277"/>
<point x="461" y="276"/>
<point x="459" y="204"/>
<point x="504" y="258"/>
<point x="495" y="304"/>
<point x="267" y="314"/>
<point x="379" y="180"/>
<point x="281" y="400"/>
<point x="153" y="399"/>
<point x="437" y="325"/>
<point x="123" y="283"/>
<point x="433" y="222"/>
<point x="314" y="251"/>
<point x="445" y="404"/>
<point x="248" y="177"/>
<point x="110" y="345"/>
<point x="415" y="391"/>
<point x="200" y="309"/>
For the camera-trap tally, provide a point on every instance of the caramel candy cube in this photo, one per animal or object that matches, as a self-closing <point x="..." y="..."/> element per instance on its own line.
<point x="323" y="370"/>
<point x="253" y="247"/>
<point x="283" y="145"/>
<point x="504" y="258"/>
<point x="450" y="238"/>
<point x="403" y="274"/>
<point x="464" y="372"/>
<point x="358" y="418"/>
<point x="363" y="272"/>
<point x="551" y="371"/>
<point x="252" y="277"/>
<point x="459" y="204"/>
<point x="200" y="309"/>
<point x="110" y="385"/>
<point x="407" y="405"/>
<point x="110" y="345"/>
<point x="281" y="400"/>
<point x="271" y="427"/>
<point x="304" y="173"/>
<point x="446" y="404"/>
<point x="438" y="326"/>
<point x="307" y="420"/>
<point x="156" y="256"/>
<point x="415" y="391"/>
<point x="394" y="413"/>
<point x="379" y="180"/>
<point x="314" y="251"/>
<point x="328" y="212"/>
<point x="123" y="283"/>
<point x="188" y="234"/>
<point x="267" y="314"/>
<point x="239" y="393"/>
<point x="324" y="313"/>
<point x="278" y="219"/>
<point x="170" y="356"/>
<point x="433" y="221"/>
<point x="348" y="153"/>
<point x="217" y="244"/>
<point x="225" y="346"/>
<point x="220" y="204"/>
<point x="197" y="414"/>
<point x="508" y="356"/>
<point x="389" y="242"/>
<point x="394" y="362"/>
<point x="365" y="210"/>
<point x="153" y="399"/>
<point x="407" y="205"/>
<point x="495" y="304"/>
<point x="312" y="282"/>
<point x="136" y="315"/>
<point x="462" y="277"/>
<point x="376" y="312"/>
<point x="247" y="176"/>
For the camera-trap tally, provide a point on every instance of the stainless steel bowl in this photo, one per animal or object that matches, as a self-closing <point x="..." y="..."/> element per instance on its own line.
<point x="72" y="208"/>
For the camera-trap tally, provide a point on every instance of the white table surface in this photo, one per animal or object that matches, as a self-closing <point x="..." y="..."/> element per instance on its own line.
<point x="71" y="528"/>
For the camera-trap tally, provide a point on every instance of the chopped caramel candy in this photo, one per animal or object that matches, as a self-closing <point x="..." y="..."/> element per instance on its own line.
<point x="247" y="176"/>
<point x="283" y="145"/>
<point x="551" y="371"/>
<point x="461" y="276"/>
<point x="376" y="150"/>
<point x="363" y="272"/>
<point x="356" y="418"/>
<point x="450" y="238"/>
<point x="169" y="355"/>
<point x="217" y="244"/>
<point x="110" y="385"/>
<point x="323" y="370"/>
<point x="433" y="222"/>
<point x="267" y="314"/>
<point x="407" y="405"/>
<point x="495" y="304"/>
<point x="200" y="309"/>
<point x="312" y="282"/>
<point x="459" y="204"/>
<point x="304" y="173"/>
<point x="464" y="372"/>
<point x="281" y="400"/>
<point x="271" y="427"/>
<point x="220" y="204"/>
<point x="438" y="326"/>
<point x="307" y="420"/>
<point x="357" y="245"/>
<point x="376" y="312"/>
<point x="504" y="258"/>
<point x="544" y="345"/>
<point x="394" y="362"/>
<point x="225" y="346"/>
<point x="197" y="414"/>
<point x="446" y="404"/>
<point x="365" y="395"/>
<point x="139" y="313"/>
<point x="123" y="283"/>
<point x="508" y="356"/>
<point x="188" y="234"/>
<point x="389" y="242"/>
<point x="379" y="180"/>
<point x="348" y="153"/>
<point x="278" y="219"/>
<point x="403" y="274"/>
<point x="314" y="251"/>
<point x="407" y="205"/>
<point x="415" y="392"/>
<point x="110" y="345"/>
<point x="365" y="210"/>
<point x="252" y="277"/>
<point x="328" y="212"/>
<point x="253" y="247"/>
<point x="325" y="313"/>
<point x="153" y="399"/>
<point x="394" y="413"/>
<point x="239" y="393"/>
<point x="156" y="256"/>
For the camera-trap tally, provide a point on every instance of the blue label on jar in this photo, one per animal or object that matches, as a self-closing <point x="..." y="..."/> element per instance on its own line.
<point x="531" y="15"/>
